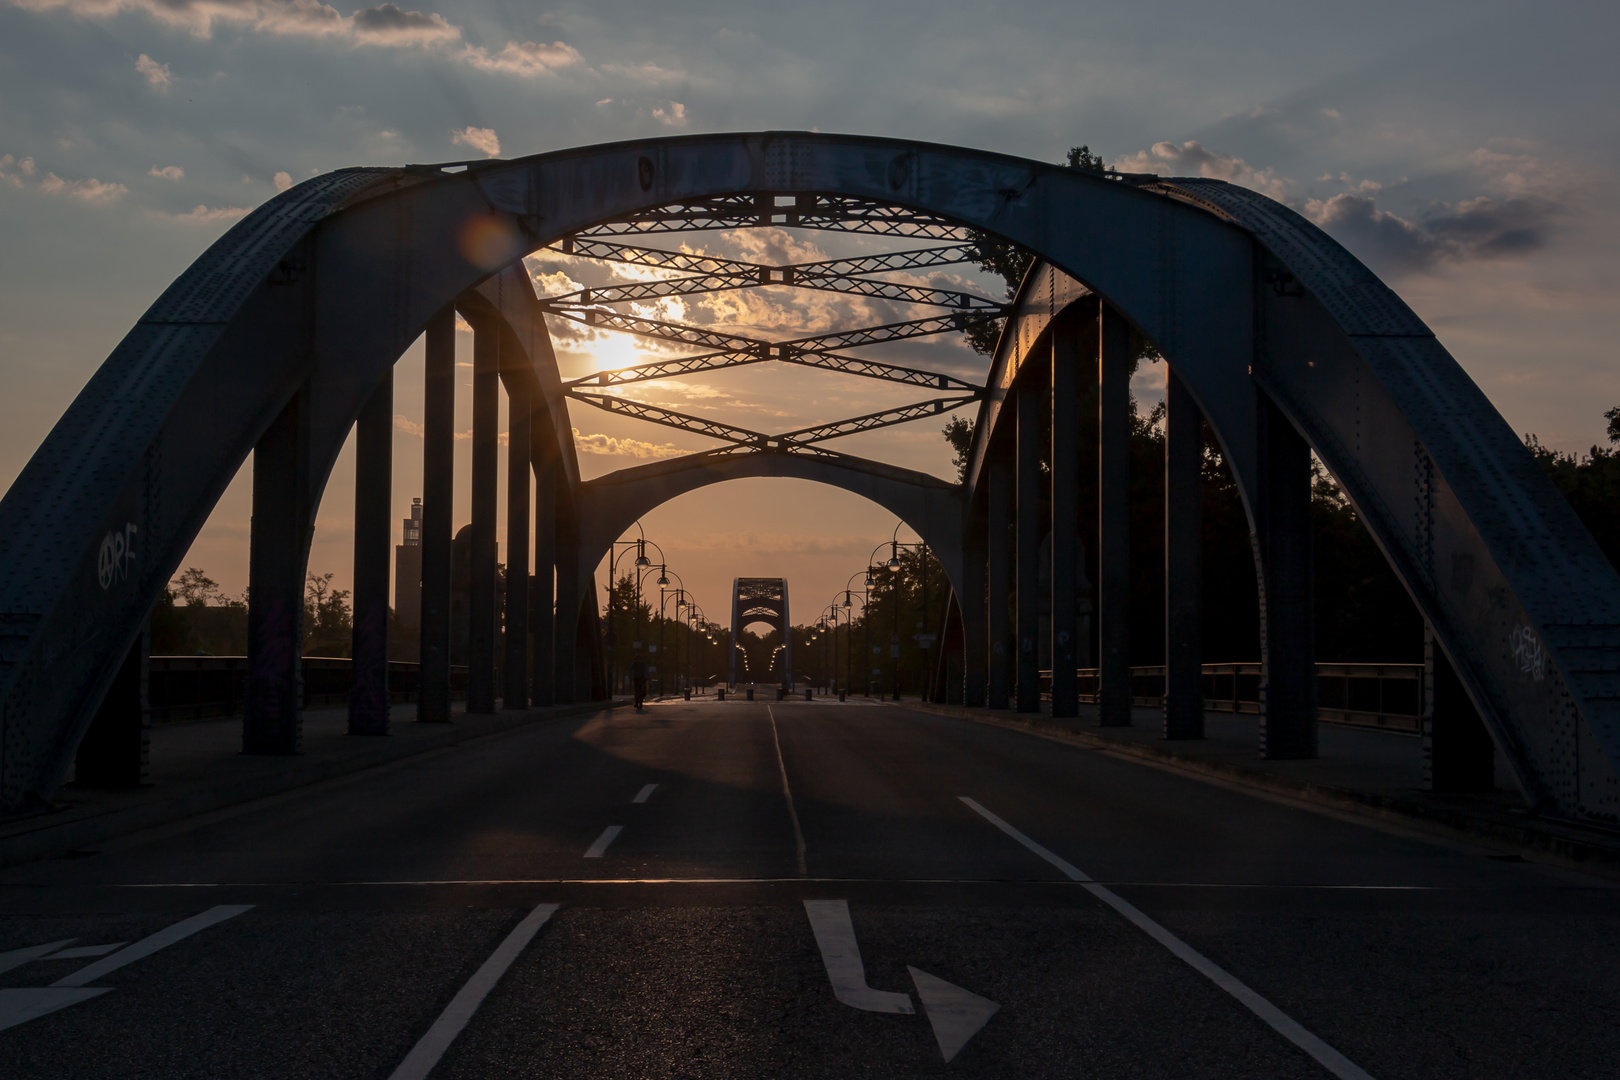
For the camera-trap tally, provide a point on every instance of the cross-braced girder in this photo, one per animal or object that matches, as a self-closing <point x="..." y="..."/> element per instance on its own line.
<point x="802" y="211"/>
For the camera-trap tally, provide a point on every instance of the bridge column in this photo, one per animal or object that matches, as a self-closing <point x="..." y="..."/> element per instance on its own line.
<point x="278" y="553"/>
<point x="999" y="567"/>
<point x="1458" y="752"/>
<point x="542" y="647"/>
<point x="438" y="490"/>
<point x="972" y="607"/>
<point x="486" y="408"/>
<point x="1287" y="600"/>
<point x="1113" y="519"/>
<point x="515" y="692"/>
<point x="1028" y="534"/>
<point x="115" y="751"/>
<point x="373" y="549"/>
<point x="566" y="648"/>
<point x="1065" y="518"/>
<point x="1183" y="568"/>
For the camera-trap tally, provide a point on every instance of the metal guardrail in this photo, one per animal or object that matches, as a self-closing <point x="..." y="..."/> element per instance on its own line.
<point x="182" y="688"/>
<point x="1384" y="696"/>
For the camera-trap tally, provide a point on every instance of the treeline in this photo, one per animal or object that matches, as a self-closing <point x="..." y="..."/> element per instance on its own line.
<point x="194" y="616"/>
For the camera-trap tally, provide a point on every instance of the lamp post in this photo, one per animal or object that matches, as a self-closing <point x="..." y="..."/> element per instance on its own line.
<point x="615" y="553"/>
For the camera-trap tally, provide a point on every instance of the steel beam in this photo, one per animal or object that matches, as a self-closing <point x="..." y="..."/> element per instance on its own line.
<point x="543" y="646"/>
<point x="1458" y="754"/>
<point x="278" y="553"/>
<point x="1287" y="601"/>
<point x="519" y="428"/>
<point x="486" y="418"/>
<point x="565" y="647"/>
<point x="116" y="751"/>
<point x="373" y="551"/>
<point x="1065" y="381"/>
<point x="971" y="602"/>
<point x="1113" y="519"/>
<point x="998" y="554"/>
<point x="438" y="493"/>
<point x="1183" y="562"/>
<point x="1028" y="533"/>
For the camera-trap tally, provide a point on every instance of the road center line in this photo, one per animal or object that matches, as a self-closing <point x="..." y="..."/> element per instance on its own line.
<point x="645" y="793"/>
<point x="431" y="1047"/>
<point x="609" y="834"/>
<point x="787" y="793"/>
<point x="1329" y="1058"/>
<point x="151" y="944"/>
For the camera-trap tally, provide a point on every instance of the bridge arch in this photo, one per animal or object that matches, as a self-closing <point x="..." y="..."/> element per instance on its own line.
<point x="1248" y="301"/>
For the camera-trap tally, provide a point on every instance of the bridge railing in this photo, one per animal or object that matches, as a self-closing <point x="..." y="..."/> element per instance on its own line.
<point x="204" y="687"/>
<point x="1385" y="696"/>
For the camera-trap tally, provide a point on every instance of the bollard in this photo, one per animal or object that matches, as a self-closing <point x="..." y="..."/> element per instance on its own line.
<point x="750" y="693"/>
<point x="721" y="693"/>
<point x="781" y="694"/>
<point x="841" y="694"/>
<point x="688" y="693"/>
<point x="807" y="693"/>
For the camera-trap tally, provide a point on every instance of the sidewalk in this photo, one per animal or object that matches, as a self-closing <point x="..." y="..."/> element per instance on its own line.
<point x="198" y="766"/>
<point x="1359" y="771"/>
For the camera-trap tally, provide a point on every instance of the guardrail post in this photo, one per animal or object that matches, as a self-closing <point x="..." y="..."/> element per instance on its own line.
<point x="373" y="537"/>
<point x="438" y="490"/>
<point x="1183" y="570"/>
<point x="1113" y="519"/>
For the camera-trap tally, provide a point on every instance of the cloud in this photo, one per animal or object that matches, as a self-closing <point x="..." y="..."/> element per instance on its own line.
<point x="1474" y="229"/>
<point x="92" y="191"/>
<point x="155" y="73"/>
<point x="209" y="215"/>
<point x="387" y="24"/>
<point x="673" y="116"/>
<point x="282" y="180"/>
<point x="1191" y="158"/>
<point x="529" y="58"/>
<point x="608" y="446"/>
<point x="480" y="139"/>
<point x="168" y="172"/>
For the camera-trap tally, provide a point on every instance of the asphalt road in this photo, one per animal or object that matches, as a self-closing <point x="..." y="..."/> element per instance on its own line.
<point x="1125" y="921"/>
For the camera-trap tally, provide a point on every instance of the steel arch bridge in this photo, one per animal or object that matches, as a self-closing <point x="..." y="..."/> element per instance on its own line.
<point x="281" y="338"/>
<point x="761" y="600"/>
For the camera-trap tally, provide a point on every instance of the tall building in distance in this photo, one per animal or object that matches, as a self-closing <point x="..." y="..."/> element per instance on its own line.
<point x="408" y="570"/>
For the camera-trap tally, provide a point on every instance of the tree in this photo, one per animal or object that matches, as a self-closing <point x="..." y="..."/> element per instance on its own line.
<point x="959" y="433"/>
<point x="328" y="623"/>
<point x="1590" y="483"/>
<point x="196" y="589"/>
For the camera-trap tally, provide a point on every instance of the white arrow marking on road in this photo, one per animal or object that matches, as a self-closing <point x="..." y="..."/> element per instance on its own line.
<point x="955" y="1014"/>
<point x="19" y="957"/>
<point x="645" y="793"/>
<point x="149" y="945"/>
<point x="22" y="1005"/>
<point x="835" y="937"/>
<point x="85" y="952"/>
<point x="609" y="834"/>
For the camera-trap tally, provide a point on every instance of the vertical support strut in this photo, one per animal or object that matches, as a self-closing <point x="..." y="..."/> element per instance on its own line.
<point x="115" y="751"/>
<point x="972" y="608"/>
<point x="1028" y="538"/>
<point x="543" y="616"/>
<point x="486" y="403"/>
<point x="272" y="720"/>
<point x="1458" y="753"/>
<point x="998" y="562"/>
<point x="515" y="691"/>
<point x="566" y="647"/>
<point x="373" y="544"/>
<point x="1183" y="563"/>
<point x="1065" y="518"/>
<point x="1113" y="518"/>
<point x="438" y="490"/>
<point x="1287" y="593"/>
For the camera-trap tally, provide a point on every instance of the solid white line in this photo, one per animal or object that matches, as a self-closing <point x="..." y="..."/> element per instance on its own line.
<point x="149" y="945"/>
<point x="608" y="835"/>
<point x="431" y="1047"/>
<point x="1329" y="1058"/>
<point x="787" y="792"/>
<point x="645" y="793"/>
<point x="19" y="957"/>
<point x="841" y="956"/>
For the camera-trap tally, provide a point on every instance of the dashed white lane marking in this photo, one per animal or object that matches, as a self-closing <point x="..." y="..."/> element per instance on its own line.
<point x="431" y="1047"/>
<point x="608" y="835"/>
<point x="149" y="945"/>
<point x="835" y="937"/>
<point x="645" y="793"/>
<point x="1329" y="1058"/>
<point x="787" y="793"/>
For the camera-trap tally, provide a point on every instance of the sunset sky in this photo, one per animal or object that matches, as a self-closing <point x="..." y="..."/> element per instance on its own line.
<point x="1466" y="151"/>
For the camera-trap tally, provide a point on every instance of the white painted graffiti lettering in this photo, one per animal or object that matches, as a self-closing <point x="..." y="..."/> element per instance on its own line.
<point x="1528" y="651"/>
<point x="117" y="556"/>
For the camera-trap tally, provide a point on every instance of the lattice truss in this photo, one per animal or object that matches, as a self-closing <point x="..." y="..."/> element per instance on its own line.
<point x="692" y="274"/>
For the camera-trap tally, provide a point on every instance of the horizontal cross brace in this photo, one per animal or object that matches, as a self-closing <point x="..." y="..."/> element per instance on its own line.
<point x="885" y="418"/>
<point x="787" y="354"/>
<point x="702" y="283"/>
<point x="684" y="334"/>
<point x="669" y="418"/>
<point x="805" y="212"/>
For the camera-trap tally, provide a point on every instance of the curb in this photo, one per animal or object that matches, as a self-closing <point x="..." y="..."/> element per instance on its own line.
<point x="49" y="839"/>
<point x="1566" y="843"/>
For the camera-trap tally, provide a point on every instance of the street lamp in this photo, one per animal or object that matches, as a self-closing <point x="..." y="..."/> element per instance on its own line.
<point x="617" y="550"/>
